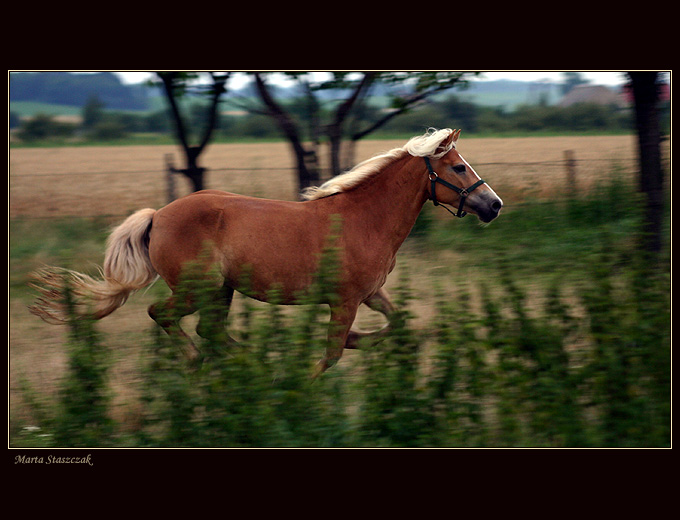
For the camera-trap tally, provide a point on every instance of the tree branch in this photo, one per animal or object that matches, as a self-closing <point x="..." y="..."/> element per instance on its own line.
<point x="218" y="89"/>
<point x="407" y="104"/>
<point x="285" y="122"/>
<point x="168" y="79"/>
<point x="242" y="102"/>
<point x="346" y="106"/>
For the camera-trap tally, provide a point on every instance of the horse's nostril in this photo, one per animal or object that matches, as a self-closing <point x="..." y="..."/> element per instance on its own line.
<point x="496" y="205"/>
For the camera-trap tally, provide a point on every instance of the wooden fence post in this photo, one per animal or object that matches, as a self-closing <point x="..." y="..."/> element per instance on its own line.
<point x="570" y="160"/>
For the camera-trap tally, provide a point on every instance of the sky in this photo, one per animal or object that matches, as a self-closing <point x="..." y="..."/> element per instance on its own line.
<point x="595" y="77"/>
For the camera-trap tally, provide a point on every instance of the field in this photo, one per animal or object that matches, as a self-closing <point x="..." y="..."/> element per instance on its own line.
<point x="47" y="185"/>
<point x="90" y="181"/>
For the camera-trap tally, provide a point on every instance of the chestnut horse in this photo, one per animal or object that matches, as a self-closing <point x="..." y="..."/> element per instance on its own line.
<point x="378" y="202"/>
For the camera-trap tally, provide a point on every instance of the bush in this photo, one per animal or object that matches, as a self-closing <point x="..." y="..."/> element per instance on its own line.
<point x="43" y="127"/>
<point x="108" y="130"/>
<point x="82" y="418"/>
<point x="588" y="369"/>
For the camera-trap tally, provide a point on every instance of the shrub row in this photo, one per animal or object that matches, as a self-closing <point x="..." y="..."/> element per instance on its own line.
<point x="591" y="372"/>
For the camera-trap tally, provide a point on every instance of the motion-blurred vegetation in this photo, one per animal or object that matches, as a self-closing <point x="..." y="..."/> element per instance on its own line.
<point x="445" y="111"/>
<point x="557" y="333"/>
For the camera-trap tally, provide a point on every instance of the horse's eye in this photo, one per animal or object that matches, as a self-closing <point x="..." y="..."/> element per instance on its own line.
<point x="459" y="168"/>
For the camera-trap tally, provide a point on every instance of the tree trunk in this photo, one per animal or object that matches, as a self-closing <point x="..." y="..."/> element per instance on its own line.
<point x="308" y="175"/>
<point x="193" y="172"/>
<point x="335" y="142"/>
<point x="334" y="129"/>
<point x="646" y="95"/>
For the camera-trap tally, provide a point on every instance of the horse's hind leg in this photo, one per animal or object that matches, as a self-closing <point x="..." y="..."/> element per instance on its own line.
<point x="212" y="323"/>
<point x="379" y="302"/>
<point x="167" y="314"/>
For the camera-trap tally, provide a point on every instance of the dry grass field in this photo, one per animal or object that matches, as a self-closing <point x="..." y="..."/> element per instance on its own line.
<point x="89" y="181"/>
<point x="114" y="181"/>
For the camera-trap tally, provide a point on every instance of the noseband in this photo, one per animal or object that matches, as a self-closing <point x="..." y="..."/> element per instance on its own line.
<point x="463" y="192"/>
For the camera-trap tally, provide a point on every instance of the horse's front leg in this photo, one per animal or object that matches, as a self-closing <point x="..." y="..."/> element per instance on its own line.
<point x="379" y="302"/>
<point x="342" y="318"/>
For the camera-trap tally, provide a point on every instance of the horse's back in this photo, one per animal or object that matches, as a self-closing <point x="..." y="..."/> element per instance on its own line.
<point x="190" y="217"/>
<point x="276" y="237"/>
<point x="181" y="230"/>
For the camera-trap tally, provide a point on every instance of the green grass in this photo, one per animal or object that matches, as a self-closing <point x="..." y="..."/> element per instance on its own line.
<point x="520" y="370"/>
<point x="69" y="242"/>
<point x="580" y="359"/>
<point x="546" y="238"/>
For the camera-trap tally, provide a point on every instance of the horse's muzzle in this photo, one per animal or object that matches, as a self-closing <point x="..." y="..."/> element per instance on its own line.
<point x="487" y="206"/>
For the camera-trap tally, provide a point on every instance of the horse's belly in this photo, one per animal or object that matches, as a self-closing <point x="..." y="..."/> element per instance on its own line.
<point x="283" y="280"/>
<point x="277" y="255"/>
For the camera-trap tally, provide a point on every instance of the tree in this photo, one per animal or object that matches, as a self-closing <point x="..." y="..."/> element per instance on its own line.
<point x="307" y="155"/>
<point x="571" y="80"/>
<point x="353" y="89"/>
<point x="334" y="130"/>
<point x="306" y="159"/>
<point x="93" y="112"/>
<point x="175" y="85"/>
<point x="645" y="90"/>
<point x="418" y="87"/>
<point x="43" y="126"/>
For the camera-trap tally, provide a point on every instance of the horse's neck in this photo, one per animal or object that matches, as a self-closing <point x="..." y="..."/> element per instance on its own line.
<point x="391" y="202"/>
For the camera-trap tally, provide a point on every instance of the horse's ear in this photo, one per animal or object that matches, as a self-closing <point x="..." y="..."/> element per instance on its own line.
<point x="448" y="141"/>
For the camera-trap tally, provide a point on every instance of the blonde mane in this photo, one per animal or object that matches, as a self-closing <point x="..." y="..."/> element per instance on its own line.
<point x="425" y="145"/>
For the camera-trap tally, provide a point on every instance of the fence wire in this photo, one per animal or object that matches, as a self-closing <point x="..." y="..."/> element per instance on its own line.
<point x="117" y="193"/>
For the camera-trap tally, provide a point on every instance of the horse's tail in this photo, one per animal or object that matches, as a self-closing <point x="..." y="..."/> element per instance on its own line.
<point x="127" y="268"/>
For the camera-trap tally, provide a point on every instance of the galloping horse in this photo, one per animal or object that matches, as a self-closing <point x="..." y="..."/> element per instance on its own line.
<point x="281" y="242"/>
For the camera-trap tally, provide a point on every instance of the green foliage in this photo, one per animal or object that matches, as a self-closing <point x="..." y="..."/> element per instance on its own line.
<point x="452" y="111"/>
<point x="256" y="392"/>
<point x="42" y="127"/>
<point x="536" y="384"/>
<point x="82" y="418"/>
<point x="630" y="364"/>
<point x="394" y="409"/>
<point x="526" y="361"/>
<point x="441" y="111"/>
<point x="92" y="112"/>
<point x="540" y="238"/>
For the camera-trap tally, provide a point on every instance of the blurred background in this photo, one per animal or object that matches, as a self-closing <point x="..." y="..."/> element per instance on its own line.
<point x="580" y="158"/>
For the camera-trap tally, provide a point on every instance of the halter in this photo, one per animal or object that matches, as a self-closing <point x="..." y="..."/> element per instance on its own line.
<point x="463" y="192"/>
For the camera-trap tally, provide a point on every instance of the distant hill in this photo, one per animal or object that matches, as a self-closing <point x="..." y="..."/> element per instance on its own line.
<point x="66" y="88"/>
<point x="62" y="93"/>
<point x="500" y="93"/>
<point x="509" y="93"/>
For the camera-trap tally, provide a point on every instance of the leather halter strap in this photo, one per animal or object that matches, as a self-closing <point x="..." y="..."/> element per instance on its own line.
<point x="463" y="192"/>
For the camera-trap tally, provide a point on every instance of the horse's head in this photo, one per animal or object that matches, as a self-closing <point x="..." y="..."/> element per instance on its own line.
<point x="454" y="182"/>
